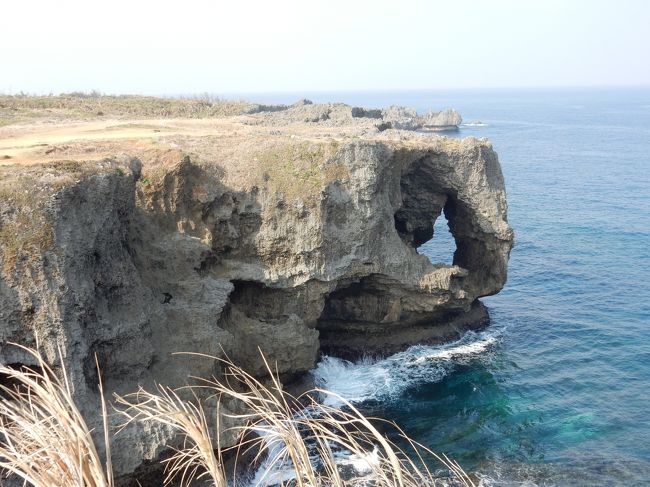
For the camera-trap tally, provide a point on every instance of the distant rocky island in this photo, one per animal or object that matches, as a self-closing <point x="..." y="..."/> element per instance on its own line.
<point x="133" y="233"/>
<point x="393" y="117"/>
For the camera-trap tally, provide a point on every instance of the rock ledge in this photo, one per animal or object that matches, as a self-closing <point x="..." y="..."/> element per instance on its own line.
<point x="294" y="240"/>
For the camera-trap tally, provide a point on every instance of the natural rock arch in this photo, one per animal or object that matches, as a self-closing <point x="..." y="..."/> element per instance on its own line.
<point x="472" y="199"/>
<point x="190" y="258"/>
<point x="388" y="310"/>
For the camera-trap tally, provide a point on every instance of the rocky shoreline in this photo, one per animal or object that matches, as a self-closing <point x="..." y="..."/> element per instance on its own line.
<point x="294" y="231"/>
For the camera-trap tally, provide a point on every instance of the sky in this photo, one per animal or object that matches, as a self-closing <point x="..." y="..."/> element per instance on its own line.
<point x="238" y="46"/>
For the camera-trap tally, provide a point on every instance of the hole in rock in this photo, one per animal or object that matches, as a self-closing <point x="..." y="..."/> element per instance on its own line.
<point x="427" y="214"/>
<point x="440" y="249"/>
<point x="257" y="300"/>
<point x="363" y="301"/>
<point x="422" y="224"/>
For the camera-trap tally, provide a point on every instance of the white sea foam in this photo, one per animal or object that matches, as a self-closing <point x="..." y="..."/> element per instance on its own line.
<point x="374" y="379"/>
<point x="362" y="464"/>
<point x="267" y="473"/>
<point x="389" y="377"/>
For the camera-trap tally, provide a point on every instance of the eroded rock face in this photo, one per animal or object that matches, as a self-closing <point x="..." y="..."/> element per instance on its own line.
<point x="340" y="114"/>
<point x="404" y="118"/>
<point x="142" y="267"/>
<point x="444" y="119"/>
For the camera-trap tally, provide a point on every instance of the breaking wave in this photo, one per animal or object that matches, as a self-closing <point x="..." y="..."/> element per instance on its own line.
<point x="380" y="379"/>
<point x="387" y="378"/>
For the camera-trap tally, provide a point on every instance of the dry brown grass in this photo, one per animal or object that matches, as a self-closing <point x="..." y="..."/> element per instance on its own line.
<point x="200" y="456"/>
<point x="44" y="438"/>
<point x="296" y="432"/>
<point x="46" y="442"/>
<point x="26" y="108"/>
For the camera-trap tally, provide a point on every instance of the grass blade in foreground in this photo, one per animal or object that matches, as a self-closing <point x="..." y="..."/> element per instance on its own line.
<point x="300" y="433"/>
<point x="44" y="439"/>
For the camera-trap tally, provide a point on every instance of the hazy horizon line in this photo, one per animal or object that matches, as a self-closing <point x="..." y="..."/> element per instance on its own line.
<point x="228" y="93"/>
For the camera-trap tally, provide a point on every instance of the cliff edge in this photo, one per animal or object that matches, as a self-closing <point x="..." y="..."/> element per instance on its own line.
<point x="295" y="234"/>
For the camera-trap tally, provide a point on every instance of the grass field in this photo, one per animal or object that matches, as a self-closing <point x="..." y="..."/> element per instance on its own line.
<point x="84" y="106"/>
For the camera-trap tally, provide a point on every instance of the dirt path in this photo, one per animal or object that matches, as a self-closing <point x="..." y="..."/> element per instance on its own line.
<point x="25" y="144"/>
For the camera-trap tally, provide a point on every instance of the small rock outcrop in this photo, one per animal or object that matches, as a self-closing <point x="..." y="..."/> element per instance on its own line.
<point x="339" y="114"/>
<point x="408" y="119"/>
<point x="445" y="119"/>
<point x="292" y="242"/>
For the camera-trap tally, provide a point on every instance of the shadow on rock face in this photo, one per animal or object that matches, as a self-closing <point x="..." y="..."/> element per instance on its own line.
<point x="321" y="258"/>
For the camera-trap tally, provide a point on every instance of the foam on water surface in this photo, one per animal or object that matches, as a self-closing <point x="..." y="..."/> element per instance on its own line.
<point x="387" y="378"/>
<point x="558" y="398"/>
<point x="379" y="379"/>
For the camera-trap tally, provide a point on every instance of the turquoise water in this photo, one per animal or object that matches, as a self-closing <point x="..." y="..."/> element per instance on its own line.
<point x="557" y="390"/>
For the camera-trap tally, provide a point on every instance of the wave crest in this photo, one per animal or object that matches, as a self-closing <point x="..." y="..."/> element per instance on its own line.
<point x="388" y="377"/>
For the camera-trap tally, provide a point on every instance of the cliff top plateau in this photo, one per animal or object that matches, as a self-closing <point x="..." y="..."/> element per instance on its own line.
<point x="132" y="228"/>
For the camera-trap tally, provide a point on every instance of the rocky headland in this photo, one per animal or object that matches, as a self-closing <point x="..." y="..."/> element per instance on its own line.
<point x="292" y="229"/>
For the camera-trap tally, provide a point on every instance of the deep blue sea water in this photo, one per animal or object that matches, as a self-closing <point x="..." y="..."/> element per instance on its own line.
<point x="557" y="390"/>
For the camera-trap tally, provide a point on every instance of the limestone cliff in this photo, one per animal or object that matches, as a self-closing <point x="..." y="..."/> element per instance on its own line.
<point x="288" y="239"/>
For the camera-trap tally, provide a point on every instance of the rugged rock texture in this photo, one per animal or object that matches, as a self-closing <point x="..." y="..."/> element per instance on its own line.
<point x="445" y="119"/>
<point x="408" y="119"/>
<point x="340" y="114"/>
<point x="287" y="241"/>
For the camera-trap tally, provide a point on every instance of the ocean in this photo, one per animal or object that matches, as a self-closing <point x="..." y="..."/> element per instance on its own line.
<point x="556" y="391"/>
